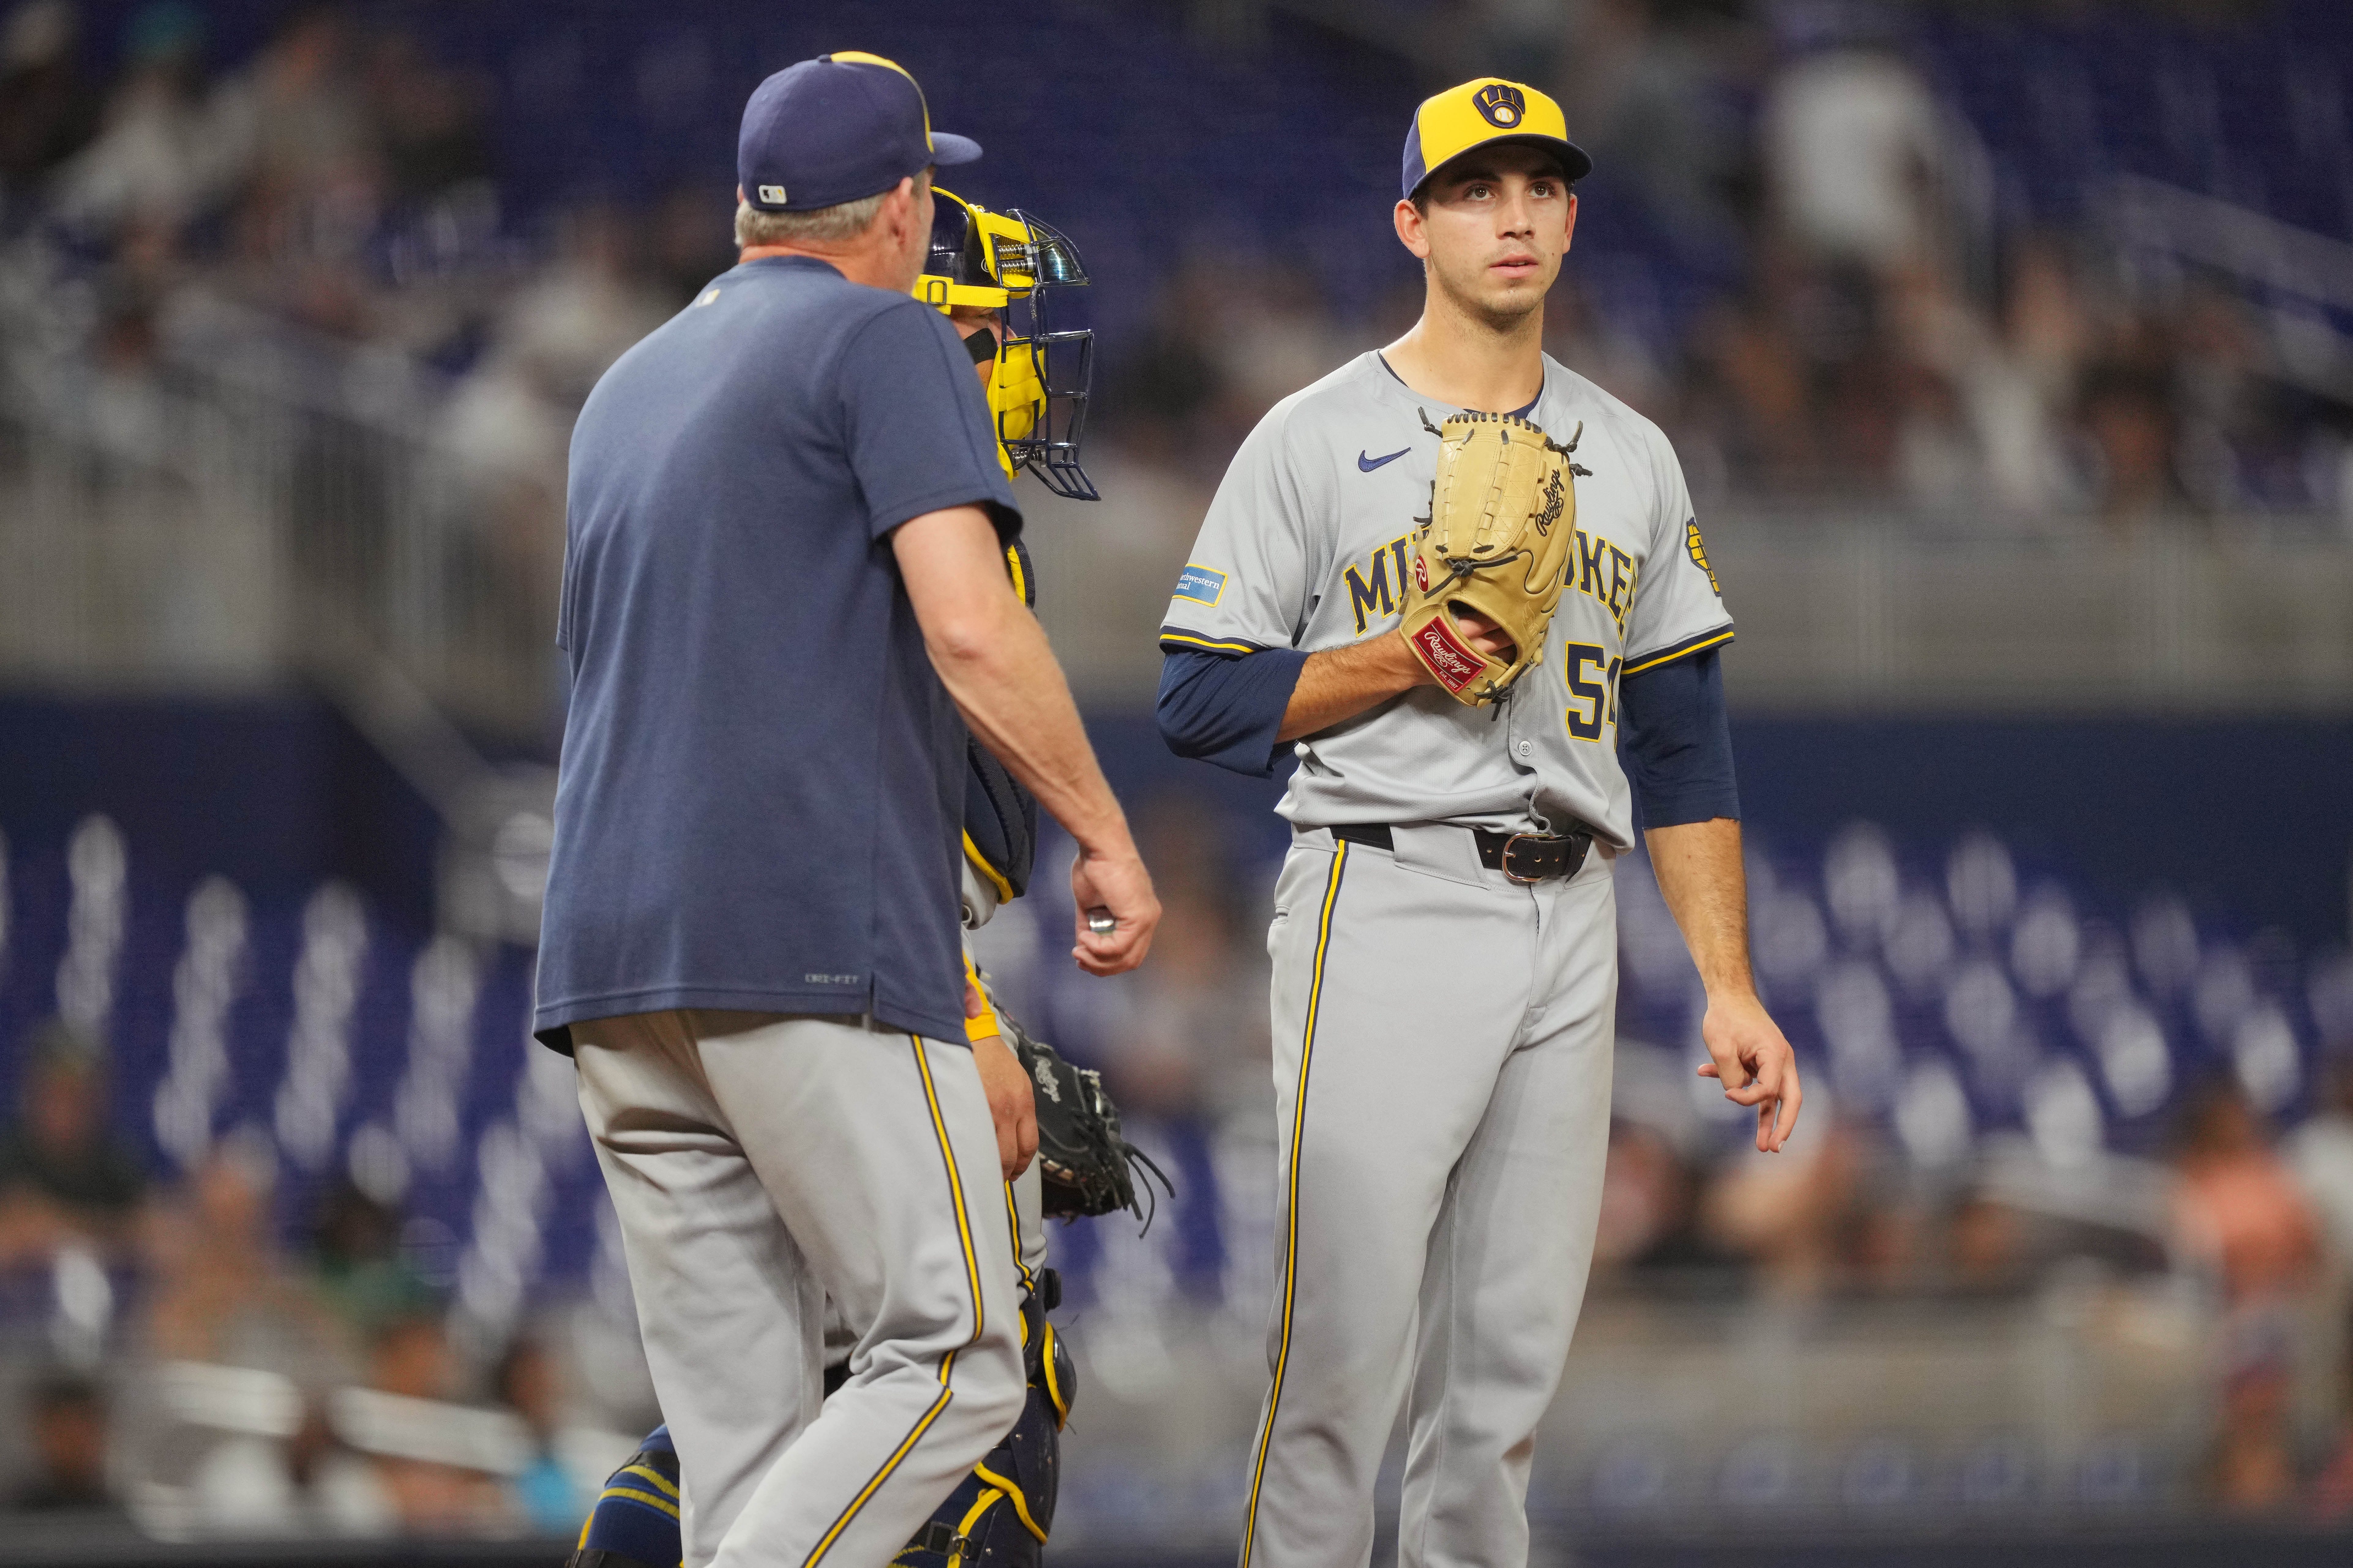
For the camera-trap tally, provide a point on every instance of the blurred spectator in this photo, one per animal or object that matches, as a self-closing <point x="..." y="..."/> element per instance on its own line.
<point x="1859" y="154"/>
<point x="355" y="1244"/>
<point x="412" y="1356"/>
<point x="1754" y="379"/>
<point x="295" y="120"/>
<point x="2215" y="357"/>
<point x="47" y="110"/>
<point x="2128" y="419"/>
<point x="2321" y="1154"/>
<point x="2019" y="383"/>
<point x="161" y="154"/>
<point x="2252" y="1466"/>
<point x="527" y="1382"/>
<point x="68" y="1416"/>
<point x="64" y="1174"/>
<point x="311" y="1484"/>
<point x="354" y="174"/>
<point x="427" y="119"/>
<point x="1650" y="1216"/>
<point x="2236" y="1208"/>
<point x="336" y="1490"/>
<point x="1273" y="333"/>
<point x="1831" y="1218"/>
<point x="583" y="311"/>
<point x="509" y="429"/>
<point x="1589" y="344"/>
<point x="1650" y="89"/>
<point x="223" y="1291"/>
<point x="1984" y="1249"/>
<point x="2332" y="1491"/>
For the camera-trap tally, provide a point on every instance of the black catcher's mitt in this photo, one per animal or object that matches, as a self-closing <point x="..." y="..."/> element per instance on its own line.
<point x="1086" y="1166"/>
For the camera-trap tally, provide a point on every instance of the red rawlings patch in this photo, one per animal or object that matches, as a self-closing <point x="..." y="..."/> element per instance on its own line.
<point x="1421" y="573"/>
<point x="1455" y="666"/>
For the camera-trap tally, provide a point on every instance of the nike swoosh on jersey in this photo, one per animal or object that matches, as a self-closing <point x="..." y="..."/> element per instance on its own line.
<point x="1366" y="465"/>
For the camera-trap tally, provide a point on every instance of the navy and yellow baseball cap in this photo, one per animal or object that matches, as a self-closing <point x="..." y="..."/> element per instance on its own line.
<point x="1480" y="111"/>
<point x="836" y="129"/>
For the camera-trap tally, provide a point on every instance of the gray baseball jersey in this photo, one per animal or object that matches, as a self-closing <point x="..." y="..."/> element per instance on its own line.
<point x="1307" y="546"/>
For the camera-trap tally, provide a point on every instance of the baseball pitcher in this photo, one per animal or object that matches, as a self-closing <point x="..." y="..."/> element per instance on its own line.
<point x="1459" y="579"/>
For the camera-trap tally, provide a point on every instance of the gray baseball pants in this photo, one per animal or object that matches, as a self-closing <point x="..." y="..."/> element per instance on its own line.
<point x="1443" y="1042"/>
<point x="760" y="1164"/>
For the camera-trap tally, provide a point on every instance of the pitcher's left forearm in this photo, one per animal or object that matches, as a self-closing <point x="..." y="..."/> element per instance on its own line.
<point x="1705" y="883"/>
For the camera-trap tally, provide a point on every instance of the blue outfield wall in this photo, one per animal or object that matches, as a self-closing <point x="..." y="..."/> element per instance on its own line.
<point x="2253" y="820"/>
<point x="277" y="793"/>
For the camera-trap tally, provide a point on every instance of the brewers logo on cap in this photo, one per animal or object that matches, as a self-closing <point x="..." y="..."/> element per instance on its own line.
<point x="1488" y="108"/>
<point x="1501" y="103"/>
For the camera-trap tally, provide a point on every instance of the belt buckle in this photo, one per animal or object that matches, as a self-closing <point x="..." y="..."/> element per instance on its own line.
<point x="1518" y="838"/>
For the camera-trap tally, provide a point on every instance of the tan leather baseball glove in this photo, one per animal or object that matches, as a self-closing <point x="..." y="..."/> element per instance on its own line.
<point x="1503" y="511"/>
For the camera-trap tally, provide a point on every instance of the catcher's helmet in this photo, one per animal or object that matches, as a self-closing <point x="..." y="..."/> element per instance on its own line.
<point x="1012" y="263"/>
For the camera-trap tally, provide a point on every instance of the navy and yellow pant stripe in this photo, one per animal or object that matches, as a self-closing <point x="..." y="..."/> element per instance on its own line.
<point x="1290" y="1191"/>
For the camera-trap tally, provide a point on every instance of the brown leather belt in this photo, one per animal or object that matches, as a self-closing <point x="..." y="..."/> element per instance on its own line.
<point x="1522" y="856"/>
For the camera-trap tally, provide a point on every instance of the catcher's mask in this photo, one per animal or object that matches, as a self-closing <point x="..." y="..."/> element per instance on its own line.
<point x="1011" y="263"/>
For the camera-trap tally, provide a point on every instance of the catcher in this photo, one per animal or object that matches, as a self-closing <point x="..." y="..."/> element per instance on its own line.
<point x="1460" y="577"/>
<point x="1034" y="374"/>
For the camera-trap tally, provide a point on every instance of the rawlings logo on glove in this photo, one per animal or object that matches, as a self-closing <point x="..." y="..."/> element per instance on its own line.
<point x="1454" y="664"/>
<point x="1502" y="511"/>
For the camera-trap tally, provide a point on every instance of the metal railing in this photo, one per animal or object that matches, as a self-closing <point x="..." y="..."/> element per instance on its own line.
<point x="1850" y="612"/>
<point x="255" y="504"/>
<point x="247" y="503"/>
<point x="1868" y="614"/>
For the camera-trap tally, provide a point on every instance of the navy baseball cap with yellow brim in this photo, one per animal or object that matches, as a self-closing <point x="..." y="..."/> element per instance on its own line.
<point x="1480" y="113"/>
<point x="836" y="129"/>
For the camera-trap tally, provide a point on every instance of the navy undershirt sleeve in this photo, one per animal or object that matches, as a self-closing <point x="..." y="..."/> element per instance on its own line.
<point x="1677" y="742"/>
<point x="1227" y="710"/>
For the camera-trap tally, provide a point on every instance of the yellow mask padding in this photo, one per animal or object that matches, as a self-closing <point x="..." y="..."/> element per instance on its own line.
<point x="1016" y="393"/>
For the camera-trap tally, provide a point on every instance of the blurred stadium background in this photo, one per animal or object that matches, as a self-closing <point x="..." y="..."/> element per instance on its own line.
<point x="2008" y="347"/>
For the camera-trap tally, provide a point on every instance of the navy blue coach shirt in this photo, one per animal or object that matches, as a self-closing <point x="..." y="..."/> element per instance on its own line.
<point x="760" y="800"/>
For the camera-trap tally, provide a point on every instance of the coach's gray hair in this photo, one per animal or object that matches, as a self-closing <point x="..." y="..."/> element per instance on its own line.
<point x="842" y="221"/>
<point x="835" y="225"/>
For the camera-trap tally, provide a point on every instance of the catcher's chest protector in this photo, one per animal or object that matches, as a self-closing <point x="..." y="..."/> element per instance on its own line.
<point x="1502" y="511"/>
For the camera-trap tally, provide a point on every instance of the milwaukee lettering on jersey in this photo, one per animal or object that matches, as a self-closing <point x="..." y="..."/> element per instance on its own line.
<point x="1323" y="557"/>
<point x="1455" y="666"/>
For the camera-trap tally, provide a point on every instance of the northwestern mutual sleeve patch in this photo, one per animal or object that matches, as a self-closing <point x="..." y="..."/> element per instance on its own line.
<point x="1200" y="584"/>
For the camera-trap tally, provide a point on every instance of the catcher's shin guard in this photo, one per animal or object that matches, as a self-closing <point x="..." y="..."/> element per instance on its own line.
<point x="634" y="1522"/>
<point x="999" y="1516"/>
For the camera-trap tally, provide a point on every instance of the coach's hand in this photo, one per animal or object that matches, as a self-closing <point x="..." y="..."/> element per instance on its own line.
<point x="1114" y="881"/>
<point x="992" y="656"/>
<point x="1754" y="1064"/>
<point x="1011" y="1105"/>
